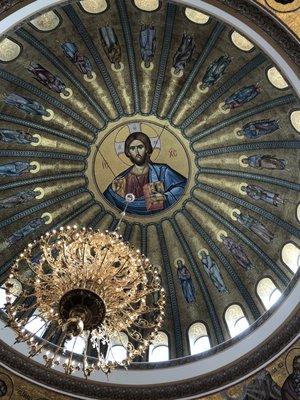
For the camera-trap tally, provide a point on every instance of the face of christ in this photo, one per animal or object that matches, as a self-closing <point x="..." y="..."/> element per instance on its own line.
<point x="137" y="152"/>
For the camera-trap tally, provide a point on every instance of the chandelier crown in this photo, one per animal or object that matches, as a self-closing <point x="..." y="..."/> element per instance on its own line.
<point x="89" y="284"/>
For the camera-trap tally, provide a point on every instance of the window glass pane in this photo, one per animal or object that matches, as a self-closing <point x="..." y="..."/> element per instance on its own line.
<point x="196" y="16"/>
<point x="147" y="5"/>
<point x="2" y="297"/>
<point x="274" y="296"/>
<point x="77" y="345"/>
<point x="117" y="354"/>
<point x="240" y="326"/>
<point x="291" y="256"/>
<point x="36" y="325"/>
<point x="267" y="292"/>
<point x="241" y="42"/>
<point x="201" y="344"/>
<point x="159" y="353"/>
<point x="276" y="78"/>
<point x="236" y="320"/>
<point x="295" y="119"/>
<point x="159" y="348"/>
<point x="198" y="338"/>
<point x="46" y="22"/>
<point x="94" y="6"/>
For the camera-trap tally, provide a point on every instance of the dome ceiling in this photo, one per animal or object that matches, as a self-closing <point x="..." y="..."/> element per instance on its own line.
<point x="197" y="123"/>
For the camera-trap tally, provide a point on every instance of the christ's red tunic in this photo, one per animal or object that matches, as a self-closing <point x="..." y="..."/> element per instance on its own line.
<point x="135" y="184"/>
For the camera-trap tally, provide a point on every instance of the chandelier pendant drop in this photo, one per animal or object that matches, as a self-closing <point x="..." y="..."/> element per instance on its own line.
<point x="88" y="284"/>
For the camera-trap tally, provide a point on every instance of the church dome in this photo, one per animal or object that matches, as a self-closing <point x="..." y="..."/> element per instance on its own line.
<point x="191" y="107"/>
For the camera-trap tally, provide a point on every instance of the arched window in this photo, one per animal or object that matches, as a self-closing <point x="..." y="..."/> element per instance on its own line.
<point x="159" y="348"/>
<point x="235" y="320"/>
<point x="75" y="345"/>
<point x="15" y="292"/>
<point x="2" y="297"/>
<point x="291" y="256"/>
<point x="36" y="325"/>
<point x="267" y="292"/>
<point x="117" y="351"/>
<point x="198" y="338"/>
<point x="149" y="5"/>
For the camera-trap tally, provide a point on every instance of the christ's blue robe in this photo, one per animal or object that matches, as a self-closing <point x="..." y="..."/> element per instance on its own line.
<point x="174" y="184"/>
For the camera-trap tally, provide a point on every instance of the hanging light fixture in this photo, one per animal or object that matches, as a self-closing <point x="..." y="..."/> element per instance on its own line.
<point x="87" y="284"/>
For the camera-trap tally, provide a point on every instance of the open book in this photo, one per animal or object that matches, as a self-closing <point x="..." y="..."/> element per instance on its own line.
<point x="152" y="188"/>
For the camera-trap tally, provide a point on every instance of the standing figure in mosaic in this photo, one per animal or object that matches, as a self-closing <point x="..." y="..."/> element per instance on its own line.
<point x="184" y="53"/>
<point x="215" y="71"/>
<point x="147" y="43"/>
<point x="256" y="129"/>
<point x="186" y="282"/>
<point x="31" y="107"/>
<point x="46" y="78"/>
<point x="265" y="161"/>
<point x="241" y="97"/>
<point x="111" y="45"/>
<point x="82" y="63"/>
<point x="262" y="387"/>
<point x="12" y="136"/>
<point x="237" y="252"/>
<point x="25" y="231"/>
<point x="14" y="168"/>
<point x="213" y="271"/>
<point x="19" y="198"/>
<point x="291" y="387"/>
<point x="256" y="192"/>
<point x="255" y="226"/>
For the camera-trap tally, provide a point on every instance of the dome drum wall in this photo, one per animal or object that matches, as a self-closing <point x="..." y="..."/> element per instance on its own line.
<point x="186" y="121"/>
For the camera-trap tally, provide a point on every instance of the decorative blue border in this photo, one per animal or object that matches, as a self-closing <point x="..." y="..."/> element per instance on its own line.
<point x="169" y="24"/>
<point x="123" y="14"/>
<point x="249" y="175"/>
<point x="171" y="293"/>
<point x="42" y="179"/>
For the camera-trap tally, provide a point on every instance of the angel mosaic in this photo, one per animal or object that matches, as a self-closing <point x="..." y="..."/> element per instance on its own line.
<point x="256" y="129"/>
<point x="237" y="252"/>
<point x="81" y="62"/>
<point x="212" y="270"/>
<point x="29" y="106"/>
<point x="12" y="136"/>
<point x="184" y="53"/>
<point x="257" y="192"/>
<point x="111" y="45"/>
<point x="241" y="96"/>
<point x="215" y="71"/>
<point x="185" y="279"/>
<point x="265" y="161"/>
<point x="47" y="79"/>
<point x="255" y="226"/>
<point x="147" y="43"/>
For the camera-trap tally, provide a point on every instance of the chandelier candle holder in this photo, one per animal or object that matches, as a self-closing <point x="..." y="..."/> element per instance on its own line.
<point x="85" y="284"/>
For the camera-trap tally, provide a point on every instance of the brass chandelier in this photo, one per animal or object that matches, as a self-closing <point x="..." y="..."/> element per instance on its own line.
<point x="88" y="284"/>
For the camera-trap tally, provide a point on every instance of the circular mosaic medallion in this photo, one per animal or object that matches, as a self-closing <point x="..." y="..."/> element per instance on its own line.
<point x="144" y="158"/>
